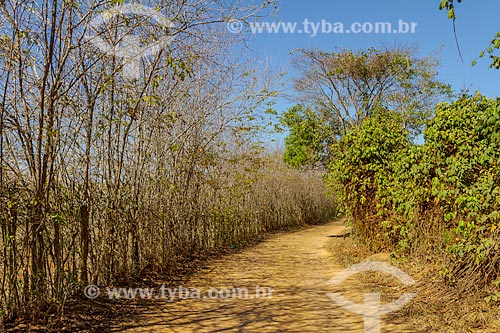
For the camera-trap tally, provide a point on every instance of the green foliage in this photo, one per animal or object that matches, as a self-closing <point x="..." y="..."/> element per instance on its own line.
<point x="490" y="50"/>
<point x="453" y="176"/>
<point x="462" y="150"/>
<point x="344" y="87"/>
<point x="449" y="187"/>
<point x="361" y="162"/>
<point x="449" y="6"/>
<point x="309" y="137"/>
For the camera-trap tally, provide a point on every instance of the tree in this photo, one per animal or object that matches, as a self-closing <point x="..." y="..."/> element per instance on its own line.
<point x="340" y="89"/>
<point x="309" y="139"/>
<point x="346" y="86"/>
<point x="103" y="174"/>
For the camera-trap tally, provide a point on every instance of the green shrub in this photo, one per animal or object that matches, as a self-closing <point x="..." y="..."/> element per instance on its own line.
<point x="462" y="158"/>
<point x="443" y="195"/>
<point x="446" y="191"/>
<point x="361" y="163"/>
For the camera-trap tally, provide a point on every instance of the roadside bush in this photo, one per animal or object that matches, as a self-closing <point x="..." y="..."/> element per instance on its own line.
<point x="362" y="161"/>
<point x="174" y="222"/>
<point x="458" y="181"/>
<point x="439" y="200"/>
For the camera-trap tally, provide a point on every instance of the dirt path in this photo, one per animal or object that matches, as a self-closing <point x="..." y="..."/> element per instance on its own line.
<point x="297" y="267"/>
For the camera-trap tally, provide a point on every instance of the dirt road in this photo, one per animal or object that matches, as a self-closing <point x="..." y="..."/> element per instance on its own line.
<point x="296" y="265"/>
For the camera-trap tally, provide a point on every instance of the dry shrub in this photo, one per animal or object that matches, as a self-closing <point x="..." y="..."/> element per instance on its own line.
<point x="160" y="228"/>
<point x="426" y="236"/>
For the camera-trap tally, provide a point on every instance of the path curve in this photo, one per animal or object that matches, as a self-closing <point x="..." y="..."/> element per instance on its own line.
<point x="296" y="265"/>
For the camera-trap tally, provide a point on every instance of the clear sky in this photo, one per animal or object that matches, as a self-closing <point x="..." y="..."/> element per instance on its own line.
<point x="477" y="22"/>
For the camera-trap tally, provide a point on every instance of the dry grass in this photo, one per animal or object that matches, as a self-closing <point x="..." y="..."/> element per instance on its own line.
<point x="437" y="307"/>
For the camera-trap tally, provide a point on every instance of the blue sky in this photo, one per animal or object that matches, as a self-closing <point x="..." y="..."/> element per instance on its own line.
<point x="477" y="22"/>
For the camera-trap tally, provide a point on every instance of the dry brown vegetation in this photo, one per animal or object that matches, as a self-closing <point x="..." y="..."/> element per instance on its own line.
<point x="437" y="306"/>
<point x="105" y="176"/>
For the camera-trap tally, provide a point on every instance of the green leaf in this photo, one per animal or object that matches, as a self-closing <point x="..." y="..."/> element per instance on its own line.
<point x="451" y="13"/>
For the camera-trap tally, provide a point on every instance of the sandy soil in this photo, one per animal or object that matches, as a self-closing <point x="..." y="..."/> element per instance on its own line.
<point x="297" y="266"/>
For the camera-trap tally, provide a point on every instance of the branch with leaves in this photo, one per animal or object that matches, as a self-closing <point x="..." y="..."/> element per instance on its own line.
<point x="449" y="6"/>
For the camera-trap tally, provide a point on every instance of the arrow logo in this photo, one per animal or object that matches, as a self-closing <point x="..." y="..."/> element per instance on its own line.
<point x="129" y="48"/>
<point x="372" y="310"/>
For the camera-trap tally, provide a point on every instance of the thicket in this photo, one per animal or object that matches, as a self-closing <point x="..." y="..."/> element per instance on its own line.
<point x="439" y="199"/>
<point x="104" y="176"/>
<point x="152" y="231"/>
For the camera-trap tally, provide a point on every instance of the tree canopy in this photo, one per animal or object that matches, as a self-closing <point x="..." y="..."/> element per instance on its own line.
<point x="309" y="140"/>
<point x="346" y="86"/>
<point x="338" y="90"/>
